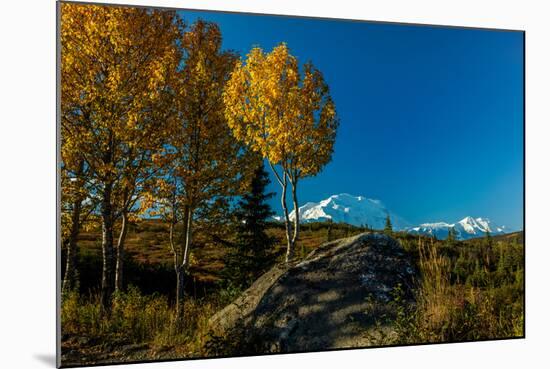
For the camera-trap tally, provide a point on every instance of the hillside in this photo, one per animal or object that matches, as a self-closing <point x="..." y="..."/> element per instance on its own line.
<point x="147" y="251"/>
<point x="512" y="237"/>
<point x="149" y="259"/>
<point x="326" y="291"/>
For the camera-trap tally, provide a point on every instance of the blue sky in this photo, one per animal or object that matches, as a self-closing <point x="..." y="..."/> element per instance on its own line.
<point x="431" y="118"/>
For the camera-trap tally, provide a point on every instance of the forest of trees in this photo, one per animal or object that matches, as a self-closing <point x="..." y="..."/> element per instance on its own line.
<point x="158" y="121"/>
<point x="167" y="141"/>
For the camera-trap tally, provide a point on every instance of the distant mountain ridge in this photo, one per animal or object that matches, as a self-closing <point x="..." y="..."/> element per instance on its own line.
<point x="466" y="228"/>
<point x="354" y="210"/>
<point x="361" y="211"/>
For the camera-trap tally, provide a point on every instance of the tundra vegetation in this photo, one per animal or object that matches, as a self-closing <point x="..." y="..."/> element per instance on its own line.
<point x="164" y="214"/>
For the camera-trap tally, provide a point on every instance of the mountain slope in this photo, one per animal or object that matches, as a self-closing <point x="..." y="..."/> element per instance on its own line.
<point x="465" y="229"/>
<point x="346" y="208"/>
<point x="360" y="211"/>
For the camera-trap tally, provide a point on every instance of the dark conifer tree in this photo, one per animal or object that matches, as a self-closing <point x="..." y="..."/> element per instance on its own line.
<point x="451" y="237"/>
<point x="249" y="255"/>
<point x="488" y="249"/>
<point x="329" y="230"/>
<point x="388" y="229"/>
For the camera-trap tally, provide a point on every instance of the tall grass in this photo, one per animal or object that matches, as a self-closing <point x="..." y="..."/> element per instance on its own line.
<point x="465" y="291"/>
<point x="486" y="306"/>
<point x="437" y="300"/>
<point x="137" y="318"/>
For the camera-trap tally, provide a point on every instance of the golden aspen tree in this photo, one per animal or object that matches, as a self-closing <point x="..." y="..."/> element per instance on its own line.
<point x="286" y="116"/>
<point x="139" y="171"/>
<point x="76" y="207"/>
<point x="116" y="64"/>
<point x="203" y="163"/>
<point x="71" y="208"/>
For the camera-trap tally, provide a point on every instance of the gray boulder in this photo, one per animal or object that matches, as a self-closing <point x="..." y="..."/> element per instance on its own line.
<point x="344" y="294"/>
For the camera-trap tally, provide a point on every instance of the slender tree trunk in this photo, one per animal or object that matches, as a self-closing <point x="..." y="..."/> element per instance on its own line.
<point x="296" y="212"/>
<point x="70" y="280"/>
<point x="107" y="276"/>
<point x="71" y="269"/>
<point x="180" y="275"/>
<point x="119" y="285"/>
<point x="188" y="233"/>
<point x="181" y="267"/>
<point x="180" y="292"/>
<point x="289" y="240"/>
<point x="283" y="182"/>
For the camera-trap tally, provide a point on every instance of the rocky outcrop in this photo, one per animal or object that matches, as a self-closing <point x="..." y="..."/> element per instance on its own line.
<point x="342" y="295"/>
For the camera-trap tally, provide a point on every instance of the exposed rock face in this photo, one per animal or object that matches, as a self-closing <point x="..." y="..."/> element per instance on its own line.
<point x="339" y="296"/>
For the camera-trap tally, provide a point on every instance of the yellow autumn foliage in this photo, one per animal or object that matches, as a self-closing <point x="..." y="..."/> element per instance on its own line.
<point x="285" y="115"/>
<point x="116" y="64"/>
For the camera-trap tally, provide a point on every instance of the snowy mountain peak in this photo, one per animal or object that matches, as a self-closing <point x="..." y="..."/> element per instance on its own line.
<point x="361" y="211"/>
<point x="468" y="227"/>
<point x="468" y="220"/>
<point x="472" y="225"/>
<point x="351" y="209"/>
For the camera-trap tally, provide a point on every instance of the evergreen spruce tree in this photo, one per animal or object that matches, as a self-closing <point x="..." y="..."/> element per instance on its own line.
<point x="451" y="237"/>
<point x="488" y="239"/>
<point x="329" y="230"/>
<point x="488" y="249"/>
<point x="388" y="229"/>
<point x="249" y="255"/>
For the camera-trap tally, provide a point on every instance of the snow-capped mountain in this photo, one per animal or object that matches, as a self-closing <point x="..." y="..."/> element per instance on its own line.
<point x="465" y="228"/>
<point x="360" y="211"/>
<point x="355" y="210"/>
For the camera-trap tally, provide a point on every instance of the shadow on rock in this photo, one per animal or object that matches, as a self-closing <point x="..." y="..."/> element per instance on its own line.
<point x="341" y="295"/>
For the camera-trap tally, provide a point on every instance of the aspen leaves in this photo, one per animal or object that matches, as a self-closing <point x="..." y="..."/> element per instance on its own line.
<point x="287" y="117"/>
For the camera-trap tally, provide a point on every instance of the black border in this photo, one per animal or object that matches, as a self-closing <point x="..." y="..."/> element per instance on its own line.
<point x="58" y="179"/>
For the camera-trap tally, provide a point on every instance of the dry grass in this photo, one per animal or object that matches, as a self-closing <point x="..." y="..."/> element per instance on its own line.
<point x="448" y="310"/>
<point x="458" y="298"/>
<point x="438" y="300"/>
<point x="136" y="319"/>
<point x="147" y="244"/>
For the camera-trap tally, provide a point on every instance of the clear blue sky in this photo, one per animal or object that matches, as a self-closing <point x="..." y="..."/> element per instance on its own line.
<point x="431" y="118"/>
